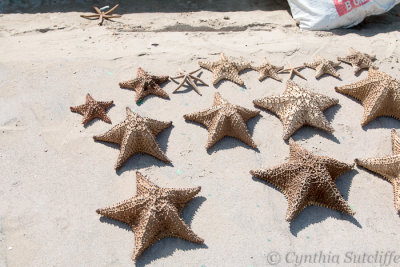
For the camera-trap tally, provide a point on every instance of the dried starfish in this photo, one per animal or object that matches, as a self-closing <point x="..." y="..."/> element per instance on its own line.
<point x="93" y="109"/>
<point x="154" y="213"/>
<point x="379" y="94"/>
<point x="322" y="66"/>
<point x="145" y="84"/>
<point x="268" y="70"/>
<point x="306" y="180"/>
<point x="225" y="69"/>
<point x="189" y="78"/>
<point x="297" y="107"/>
<point x="135" y="135"/>
<point x="293" y="70"/>
<point x="224" y="119"/>
<point x="358" y="60"/>
<point x="102" y="15"/>
<point x="388" y="167"/>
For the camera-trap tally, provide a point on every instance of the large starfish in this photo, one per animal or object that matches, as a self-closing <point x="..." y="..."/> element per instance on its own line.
<point x="93" y="109"/>
<point x="297" y="107"/>
<point x="388" y="167"/>
<point x="154" y="213"/>
<point x="102" y="15"/>
<point x="189" y="78"/>
<point x="225" y="69"/>
<point x="379" y="94"/>
<point x="358" y="60"/>
<point x="268" y="70"/>
<point x="145" y="84"/>
<point x="322" y="66"/>
<point x="224" y="119"/>
<point x="294" y="71"/>
<point x="135" y="135"/>
<point x="306" y="180"/>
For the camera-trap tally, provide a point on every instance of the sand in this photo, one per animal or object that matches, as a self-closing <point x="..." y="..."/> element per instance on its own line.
<point x="54" y="176"/>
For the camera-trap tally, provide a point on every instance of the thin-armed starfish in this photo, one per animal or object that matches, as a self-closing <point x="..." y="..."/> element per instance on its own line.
<point x="189" y="78"/>
<point x="293" y="70"/>
<point x="102" y="15"/>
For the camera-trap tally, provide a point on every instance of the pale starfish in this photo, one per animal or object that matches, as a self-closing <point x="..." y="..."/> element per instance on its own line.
<point x="297" y="107"/>
<point x="224" y="119"/>
<point x="154" y="213"/>
<point x="322" y="66"/>
<point x="358" y="60"/>
<point x="93" y="109"/>
<point x="102" y="15"/>
<point x="189" y="78"/>
<point x="388" y="167"/>
<point x="225" y="69"/>
<point x="379" y="94"/>
<point x="135" y="135"/>
<point x="293" y="71"/>
<point x="307" y="180"/>
<point x="145" y="84"/>
<point x="268" y="70"/>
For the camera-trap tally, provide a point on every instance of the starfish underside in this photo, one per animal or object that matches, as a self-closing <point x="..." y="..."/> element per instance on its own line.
<point x="358" y="60"/>
<point x="93" y="109"/>
<point x="322" y="66"/>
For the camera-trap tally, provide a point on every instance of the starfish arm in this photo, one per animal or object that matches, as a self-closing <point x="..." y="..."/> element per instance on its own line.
<point x="204" y="117"/>
<point x="319" y="71"/>
<point x="115" y="135"/>
<point x="246" y="114"/>
<point x="97" y="9"/>
<point x="101" y="114"/>
<point x="396" y="191"/>
<point x="198" y="79"/>
<point x="275" y="104"/>
<point x="292" y="121"/>
<point x="194" y="85"/>
<point x="79" y="109"/>
<point x="160" y="79"/>
<point x="298" y="74"/>
<point x="111" y="10"/>
<point x="334" y="167"/>
<point x="144" y="185"/>
<point x="181" y="195"/>
<point x="234" y="77"/>
<point x="388" y="167"/>
<point x="131" y="84"/>
<point x="193" y="72"/>
<point x="90" y="16"/>
<point x="359" y="90"/>
<point x="129" y="147"/>
<point x="101" y="18"/>
<point x="156" y="126"/>
<point x="374" y="106"/>
<point x="395" y="142"/>
<point x="324" y="102"/>
<point x="178" y="77"/>
<point x="316" y="118"/>
<point x="179" y="86"/>
<point x="159" y="92"/>
<point x="241" y="65"/>
<point x="141" y="93"/>
<point x="329" y="69"/>
<point x="217" y="130"/>
<point x="208" y="65"/>
<point x="240" y="131"/>
<point x="298" y="153"/>
<point x="105" y="104"/>
<point x="313" y="65"/>
<point x="296" y="199"/>
<point x="275" y="76"/>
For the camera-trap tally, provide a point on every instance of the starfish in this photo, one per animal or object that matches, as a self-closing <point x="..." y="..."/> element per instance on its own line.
<point x="306" y="180"/>
<point x="154" y="213"/>
<point x="322" y="66"/>
<point x="297" y="107"/>
<point x="388" y="167"/>
<point x="225" y="69"/>
<point x="135" y="134"/>
<point x="224" y="119"/>
<point x="379" y="94"/>
<point x="294" y="71"/>
<point x="145" y="84"/>
<point x="102" y="15"/>
<point x="358" y="60"/>
<point x="189" y="78"/>
<point x="93" y="109"/>
<point x="268" y="70"/>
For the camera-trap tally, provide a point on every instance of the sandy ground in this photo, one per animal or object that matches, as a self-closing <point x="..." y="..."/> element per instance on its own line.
<point x="54" y="176"/>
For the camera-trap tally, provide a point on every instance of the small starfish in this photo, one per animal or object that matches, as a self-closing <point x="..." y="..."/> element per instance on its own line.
<point x="293" y="70"/>
<point x="322" y="66"/>
<point x="358" y="60"/>
<point x="225" y="69"/>
<point x="102" y="15"/>
<point x="189" y="78"/>
<point x="93" y="109"/>
<point x="145" y="84"/>
<point x="268" y="70"/>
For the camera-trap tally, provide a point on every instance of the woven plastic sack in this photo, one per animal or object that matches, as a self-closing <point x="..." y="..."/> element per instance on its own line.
<point x="330" y="14"/>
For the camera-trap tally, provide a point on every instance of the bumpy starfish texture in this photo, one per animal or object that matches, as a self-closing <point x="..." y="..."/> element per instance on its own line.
<point x="224" y="119"/>
<point x="379" y="93"/>
<point x="93" y="109"/>
<point x="268" y="70"/>
<point x="358" y="60"/>
<point x="294" y="71"/>
<point x="154" y="213"/>
<point x="322" y="66"/>
<point x="297" y="107"/>
<point x="190" y="79"/>
<point x="135" y="135"/>
<point x="102" y="15"/>
<point x="145" y="84"/>
<point x="388" y="167"/>
<point x="225" y="69"/>
<point x="306" y="180"/>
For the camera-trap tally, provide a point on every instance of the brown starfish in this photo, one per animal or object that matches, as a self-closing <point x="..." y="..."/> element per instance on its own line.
<point x="102" y="15"/>
<point x="268" y="70"/>
<point x="379" y="94"/>
<point x="224" y="119"/>
<point x="225" y="69"/>
<point x="154" y="213"/>
<point x="145" y="84"/>
<point x="189" y="78"/>
<point x="135" y="135"/>
<point x="358" y="60"/>
<point x="297" y="107"/>
<point x="93" y="109"/>
<point x="388" y="167"/>
<point x="322" y="66"/>
<point x="293" y="71"/>
<point x="307" y="180"/>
